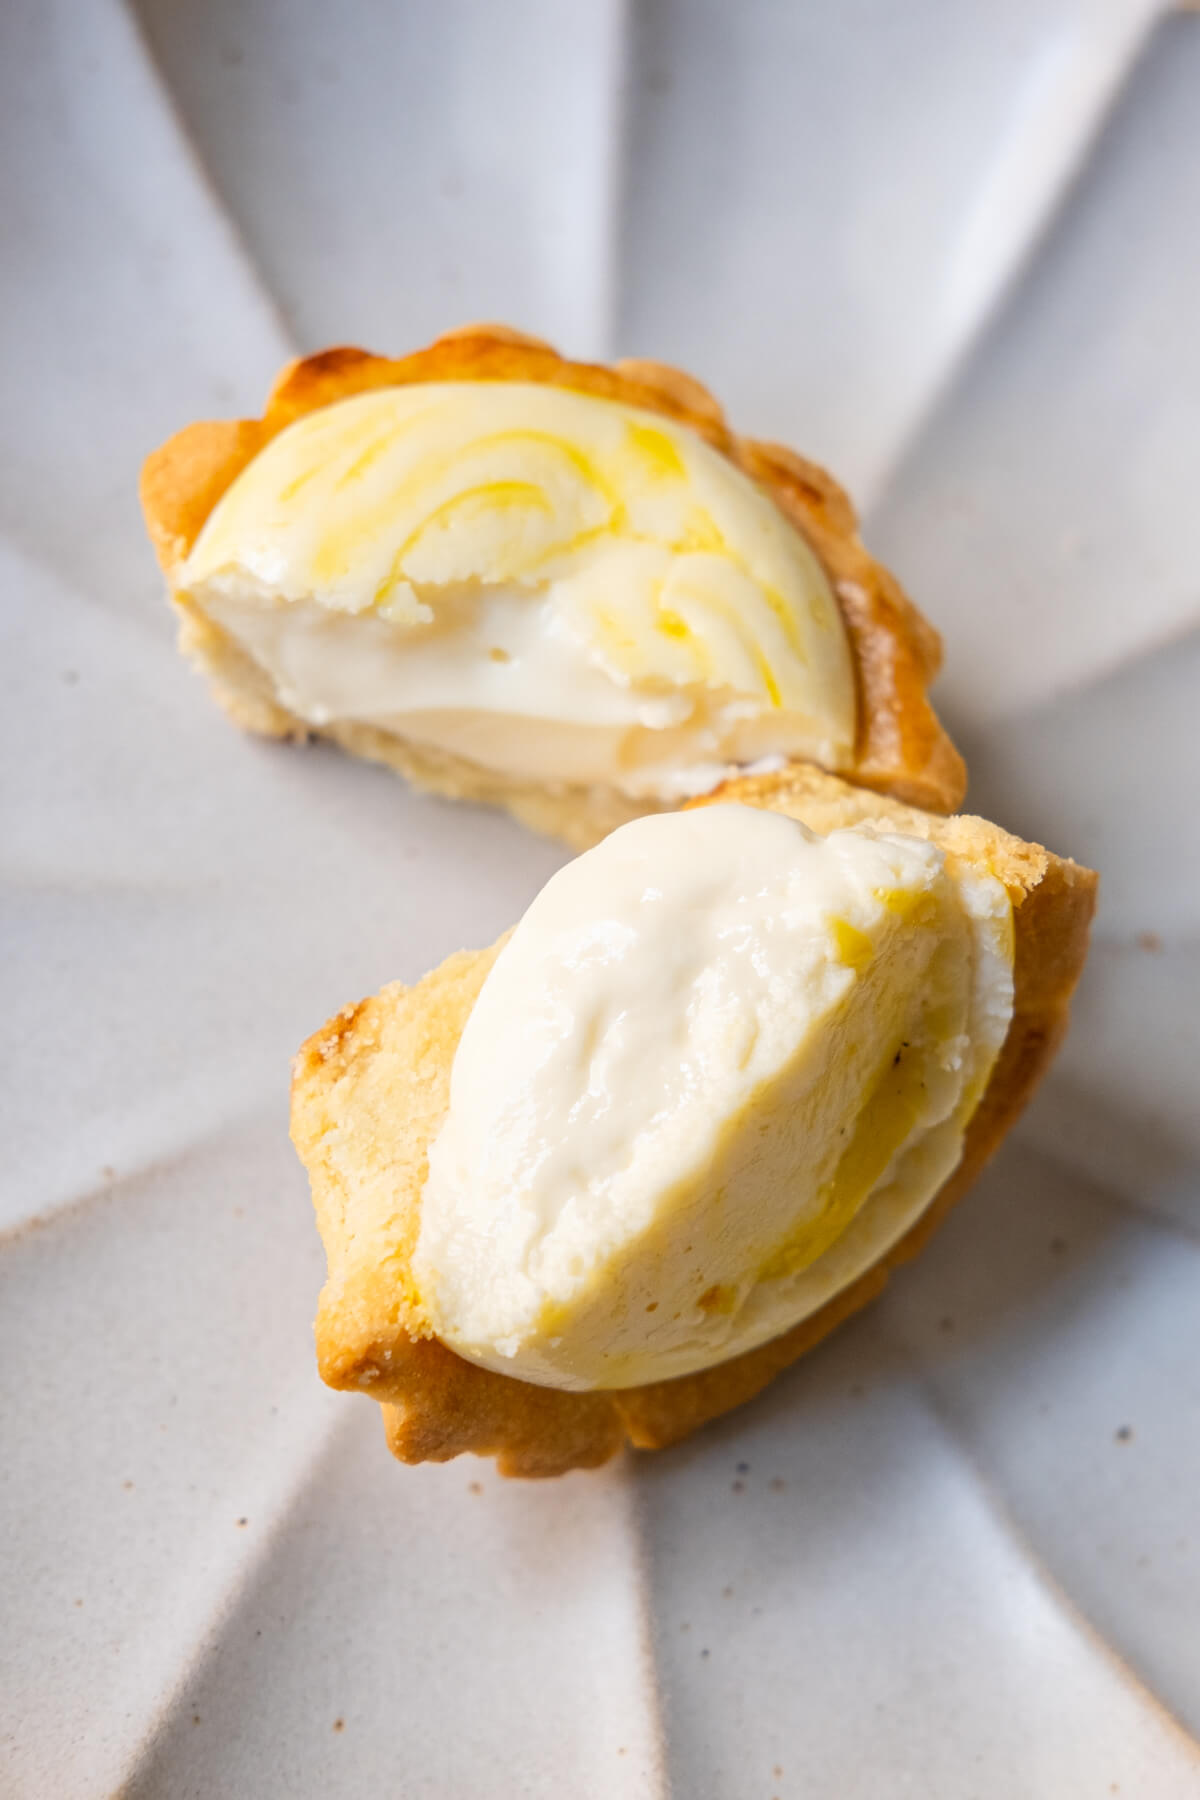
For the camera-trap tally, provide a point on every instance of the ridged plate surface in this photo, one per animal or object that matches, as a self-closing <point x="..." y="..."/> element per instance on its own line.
<point x="956" y="1554"/>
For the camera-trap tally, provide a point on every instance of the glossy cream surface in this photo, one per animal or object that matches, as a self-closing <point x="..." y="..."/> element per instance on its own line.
<point x="553" y="586"/>
<point x="719" y="1068"/>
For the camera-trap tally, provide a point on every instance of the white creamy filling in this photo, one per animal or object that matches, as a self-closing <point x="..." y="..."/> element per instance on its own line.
<point x="500" y="681"/>
<point x="553" y="587"/>
<point x="719" y="1068"/>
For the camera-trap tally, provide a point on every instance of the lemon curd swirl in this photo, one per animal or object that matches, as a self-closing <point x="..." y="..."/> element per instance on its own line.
<point x="720" y="1067"/>
<point x="554" y="587"/>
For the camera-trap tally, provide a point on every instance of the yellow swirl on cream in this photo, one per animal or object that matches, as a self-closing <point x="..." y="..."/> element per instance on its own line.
<point x="559" y="587"/>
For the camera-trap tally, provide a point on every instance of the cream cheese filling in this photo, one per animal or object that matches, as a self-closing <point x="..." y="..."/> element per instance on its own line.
<point x="719" y="1068"/>
<point x="555" y="587"/>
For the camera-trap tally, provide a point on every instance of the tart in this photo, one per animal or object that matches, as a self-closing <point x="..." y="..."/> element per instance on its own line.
<point x="565" y="589"/>
<point x="544" y="1242"/>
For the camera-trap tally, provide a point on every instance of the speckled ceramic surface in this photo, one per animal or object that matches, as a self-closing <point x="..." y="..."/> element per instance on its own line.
<point x="956" y="1554"/>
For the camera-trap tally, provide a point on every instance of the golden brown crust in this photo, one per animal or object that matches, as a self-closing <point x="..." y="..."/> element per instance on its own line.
<point x="901" y="749"/>
<point x="370" y="1090"/>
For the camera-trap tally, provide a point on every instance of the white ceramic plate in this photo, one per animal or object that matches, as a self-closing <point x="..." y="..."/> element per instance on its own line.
<point x="953" y="251"/>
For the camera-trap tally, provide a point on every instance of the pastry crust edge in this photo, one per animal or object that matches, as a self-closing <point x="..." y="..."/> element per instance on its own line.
<point x="385" y="1064"/>
<point x="901" y="748"/>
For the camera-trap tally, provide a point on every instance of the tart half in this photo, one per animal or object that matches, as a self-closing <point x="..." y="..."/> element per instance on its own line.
<point x="372" y="1095"/>
<point x="566" y="589"/>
